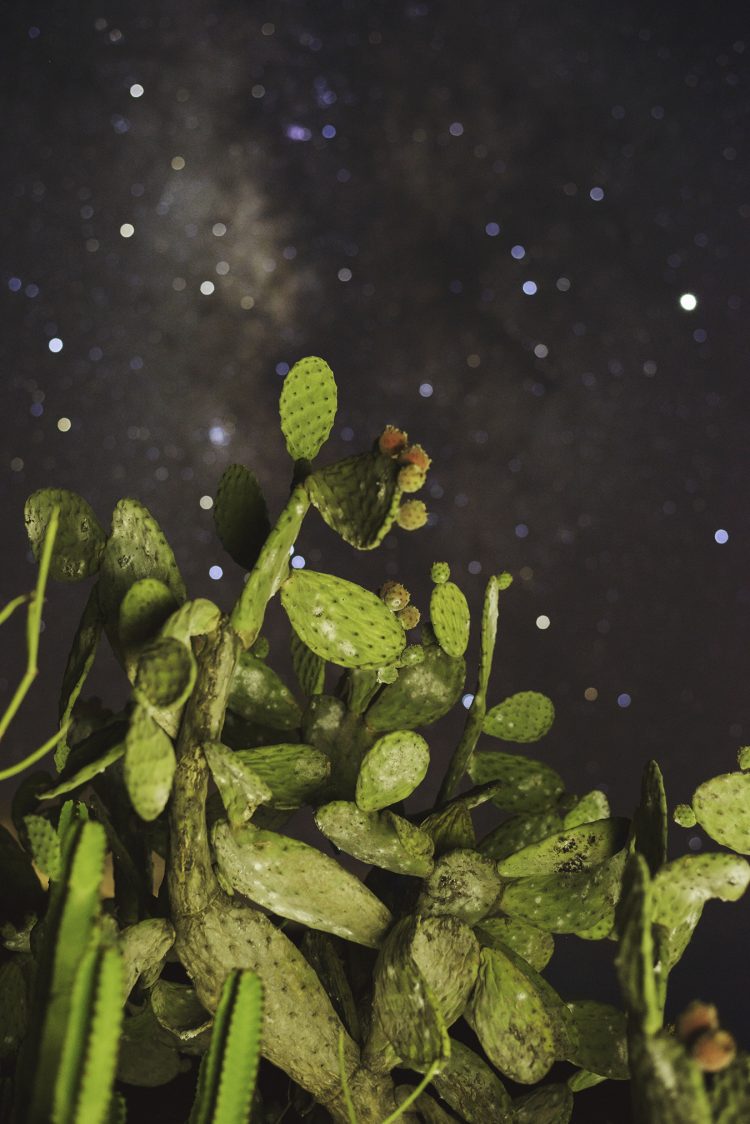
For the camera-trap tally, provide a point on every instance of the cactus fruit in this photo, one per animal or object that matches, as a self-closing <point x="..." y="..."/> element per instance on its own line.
<point x="261" y="943"/>
<point x="411" y="515"/>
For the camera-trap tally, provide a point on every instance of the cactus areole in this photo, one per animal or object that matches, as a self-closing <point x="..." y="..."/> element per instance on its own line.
<point x="416" y="991"/>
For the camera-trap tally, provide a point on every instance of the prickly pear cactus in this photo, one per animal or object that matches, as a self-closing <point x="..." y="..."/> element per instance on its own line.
<point x="263" y="945"/>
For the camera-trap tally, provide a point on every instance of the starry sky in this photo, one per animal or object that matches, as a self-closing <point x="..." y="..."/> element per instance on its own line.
<point x="518" y="230"/>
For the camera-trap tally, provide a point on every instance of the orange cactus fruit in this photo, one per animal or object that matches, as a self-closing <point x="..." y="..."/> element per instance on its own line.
<point x="695" y="1019"/>
<point x="392" y="441"/>
<point x="395" y="595"/>
<point x="409" y="617"/>
<point x="713" y="1050"/>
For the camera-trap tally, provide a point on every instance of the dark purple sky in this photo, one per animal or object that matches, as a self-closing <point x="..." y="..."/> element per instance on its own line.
<point x="488" y="218"/>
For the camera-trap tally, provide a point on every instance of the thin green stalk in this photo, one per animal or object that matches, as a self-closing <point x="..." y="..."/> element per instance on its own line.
<point x="414" y="1094"/>
<point x="345" y="1082"/>
<point x="33" y="627"/>
<point x="19" y="767"/>
<point x="11" y="607"/>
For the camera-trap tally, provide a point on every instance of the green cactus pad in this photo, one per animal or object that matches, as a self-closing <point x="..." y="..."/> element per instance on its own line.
<point x="722" y="808"/>
<point x="511" y="1020"/>
<point x="382" y="839"/>
<point x="422" y="693"/>
<point x="552" y="1104"/>
<point x="525" y="717"/>
<point x="258" y="695"/>
<point x="242" y="790"/>
<point x="194" y="618"/>
<point x="358" y="497"/>
<point x="143" y="947"/>
<point x="135" y="549"/>
<point x="80" y="539"/>
<point x="297" y="881"/>
<point x="340" y="621"/>
<point x="149" y="765"/>
<point x="440" y="572"/>
<point x="404" y="1006"/>
<point x="447" y="954"/>
<point x="309" y="668"/>
<point x="449" y="616"/>
<point x="684" y="816"/>
<point x="241" y="515"/>
<point x="602" y="1042"/>
<point x="166" y="673"/>
<point x="87" y="771"/>
<point x="307" y="407"/>
<point x="567" y="903"/>
<point x="682" y="887"/>
<point x="45" y="845"/>
<point x="743" y="757"/>
<point x="593" y="806"/>
<point x="531" y="944"/>
<point x="635" y="952"/>
<point x="78" y="666"/>
<point x="146" y="606"/>
<point x="178" y="1009"/>
<point x="294" y="773"/>
<point x="527" y="786"/>
<point x="463" y="884"/>
<point x="650" y="822"/>
<point x="666" y="1085"/>
<point x="730" y="1092"/>
<point x="390" y="771"/>
<point x="342" y="736"/>
<point x="451" y="828"/>
<point x="270" y="570"/>
<point x="518" y="832"/>
<point x="473" y="1090"/>
<point x="579" y="848"/>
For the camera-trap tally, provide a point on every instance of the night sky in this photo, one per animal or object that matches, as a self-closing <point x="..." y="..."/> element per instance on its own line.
<point x="518" y="230"/>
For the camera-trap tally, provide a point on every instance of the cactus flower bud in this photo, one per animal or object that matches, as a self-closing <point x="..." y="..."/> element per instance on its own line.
<point x="697" y="1018"/>
<point x="440" y="572"/>
<point x="392" y="441"/>
<point x="411" y="515"/>
<point x="395" y="595"/>
<point x="409" y="616"/>
<point x="415" y="455"/>
<point x="684" y="815"/>
<point x="713" y="1050"/>
<point x="411" y="478"/>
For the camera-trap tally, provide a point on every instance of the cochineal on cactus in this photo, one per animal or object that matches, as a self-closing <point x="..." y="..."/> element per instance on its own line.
<point x="415" y="991"/>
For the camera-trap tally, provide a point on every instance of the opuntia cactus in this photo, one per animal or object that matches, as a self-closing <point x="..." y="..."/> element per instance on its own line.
<point x="259" y="941"/>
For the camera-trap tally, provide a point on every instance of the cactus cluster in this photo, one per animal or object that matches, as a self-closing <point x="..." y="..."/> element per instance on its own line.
<point x="414" y="991"/>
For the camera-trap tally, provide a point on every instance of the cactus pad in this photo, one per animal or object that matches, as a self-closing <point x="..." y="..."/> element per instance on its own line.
<point x="650" y="822"/>
<point x="293" y="772"/>
<point x="340" y="621"/>
<point x="149" y="765"/>
<point x="462" y="884"/>
<point x="45" y="845"/>
<point x="566" y="903"/>
<point x="297" y="881"/>
<point x="259" y="696"/>
<point x="511" y="1019"/>
<point x="80" y="539"/>
<point x="523" y="785"/>
<point x="518" y="832"/>
<point x="358" y="497"/>
<point x="579" y="848"/>
<point x="390" y="771"/>
<point x="585" y="809"/>
<point x="552" y="1104"/>
<point x="382" y="839"/>
<point x="450" y="828"/>
<point x="531" y="944"/>
<point x="472" y="1089"/>
<point x="78" y="666"/>
<point x="684" y="816"/>
<point x="309" y="668"/>
<point x="165" y="673"/>
<point x="722" y="808"/>
<point x="307" y="407"/>
<point x="447" y="954"/>
<point x="525" y="717"/>
<point x="241" y="515"/>
<point x="449" y="616"/>
<point x="146" y="606"/>
<point x="422" y="693"/>
<point x="241" y="790"/>
<point x="601" y="1044"/>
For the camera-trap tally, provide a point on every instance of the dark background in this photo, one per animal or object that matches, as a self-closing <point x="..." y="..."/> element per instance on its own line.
<point x="590" y="437"/>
